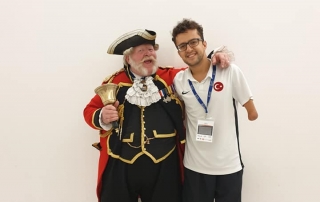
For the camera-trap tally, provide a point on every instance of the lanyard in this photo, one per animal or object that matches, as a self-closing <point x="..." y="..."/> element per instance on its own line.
<point x="209" y="90"/>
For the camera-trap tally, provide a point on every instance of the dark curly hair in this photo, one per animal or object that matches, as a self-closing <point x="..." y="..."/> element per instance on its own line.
<point x="185" y="25"/>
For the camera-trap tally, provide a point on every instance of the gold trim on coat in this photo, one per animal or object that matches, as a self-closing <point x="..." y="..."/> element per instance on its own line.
<point x="92" y="120"/>
<point x="162" y="158"/>
<point x="172" y="95"/>
<point x="156" y="135"/>
<point x="107" y="133"/>
<point x="128" y="139"/>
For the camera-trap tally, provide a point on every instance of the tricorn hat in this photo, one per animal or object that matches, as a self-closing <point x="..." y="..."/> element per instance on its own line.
<point x="132" y="39"/>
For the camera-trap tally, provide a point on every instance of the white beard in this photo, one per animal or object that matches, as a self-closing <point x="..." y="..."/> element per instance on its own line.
<point x="140" y="70"/>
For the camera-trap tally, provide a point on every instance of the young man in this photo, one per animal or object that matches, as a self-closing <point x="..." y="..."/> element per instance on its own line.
<point x="212" y="160"/>
<point x="141" y="159"/>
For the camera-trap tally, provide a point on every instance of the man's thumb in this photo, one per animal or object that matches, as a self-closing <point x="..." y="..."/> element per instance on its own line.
<point x="116" y="104"/>
<point x="213" y="60"/>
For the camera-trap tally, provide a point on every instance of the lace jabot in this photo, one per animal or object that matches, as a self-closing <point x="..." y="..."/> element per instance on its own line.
<point x="143" y="92"/>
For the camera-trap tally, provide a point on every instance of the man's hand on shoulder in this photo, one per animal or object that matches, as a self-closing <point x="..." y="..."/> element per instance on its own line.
<point x="222" y="57"/>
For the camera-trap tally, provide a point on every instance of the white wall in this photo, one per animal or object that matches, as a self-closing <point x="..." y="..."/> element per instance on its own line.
<point x="53" y="55"/>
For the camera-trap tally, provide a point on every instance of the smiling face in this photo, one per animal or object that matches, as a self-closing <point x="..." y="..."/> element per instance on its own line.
<point x="195" y="55"/>
<point x="142" y="60"/>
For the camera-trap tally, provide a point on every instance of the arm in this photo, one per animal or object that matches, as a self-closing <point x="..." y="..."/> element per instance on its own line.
<point x="251" y="110"/>
<point x="241" y="91"/>
<point x="98" y="116"/>
<point x="221" y="56"/>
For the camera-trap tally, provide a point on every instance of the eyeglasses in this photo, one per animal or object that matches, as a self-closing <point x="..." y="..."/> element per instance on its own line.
<point x="192" y="43"/>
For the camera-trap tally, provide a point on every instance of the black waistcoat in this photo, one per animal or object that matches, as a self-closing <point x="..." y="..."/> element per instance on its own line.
<point x="153" y="130"/>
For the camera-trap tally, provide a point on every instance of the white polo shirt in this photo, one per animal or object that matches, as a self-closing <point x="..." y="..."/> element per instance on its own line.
<point x="222" y="155"/>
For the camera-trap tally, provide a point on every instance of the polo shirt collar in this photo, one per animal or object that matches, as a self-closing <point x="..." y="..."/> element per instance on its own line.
<point x="209" y="74"/>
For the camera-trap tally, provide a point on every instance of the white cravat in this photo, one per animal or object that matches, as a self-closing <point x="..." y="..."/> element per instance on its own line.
<point x="143" y="98"/>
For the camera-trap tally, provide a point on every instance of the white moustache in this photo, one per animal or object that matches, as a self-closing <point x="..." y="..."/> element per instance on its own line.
<point x="149" y="58"/>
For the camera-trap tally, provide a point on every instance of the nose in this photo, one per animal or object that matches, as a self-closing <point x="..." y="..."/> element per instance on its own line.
<point x="147" y="53"/>
<point x="188" y="48"/>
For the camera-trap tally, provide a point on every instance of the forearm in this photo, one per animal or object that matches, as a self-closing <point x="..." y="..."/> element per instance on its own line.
<point x="226" y="51"/>
<point x="92" y="111"/>
<point x="251" y="110"/>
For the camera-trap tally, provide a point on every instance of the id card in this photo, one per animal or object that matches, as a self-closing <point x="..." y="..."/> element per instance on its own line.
<point x="205" y="130"/>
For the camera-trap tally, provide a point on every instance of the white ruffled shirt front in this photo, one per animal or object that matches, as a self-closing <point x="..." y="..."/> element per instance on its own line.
<point x="138" y="97"/>
<point x="143" y="98"/>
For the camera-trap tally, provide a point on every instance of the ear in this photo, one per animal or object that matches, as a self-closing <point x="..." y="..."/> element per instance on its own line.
<point x="204" y="44"/>
<point x="127" y="58"/>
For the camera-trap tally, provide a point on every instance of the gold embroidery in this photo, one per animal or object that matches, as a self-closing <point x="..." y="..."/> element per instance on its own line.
<point x="121" y="84"/>
<point x="107" y="133"/>
<point x="92" y="120"/>
<point x="160" y="159"/>
<point x="128" y="35"/>
<point x="109" y="79"/>
<point x="156" y="135"/>
<point x="128" y="139"/>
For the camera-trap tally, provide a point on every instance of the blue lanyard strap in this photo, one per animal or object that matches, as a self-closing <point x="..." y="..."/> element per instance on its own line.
<point x="209" y="90"/>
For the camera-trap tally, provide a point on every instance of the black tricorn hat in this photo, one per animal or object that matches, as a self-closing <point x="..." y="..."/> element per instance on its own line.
<point x="132" y="39"/>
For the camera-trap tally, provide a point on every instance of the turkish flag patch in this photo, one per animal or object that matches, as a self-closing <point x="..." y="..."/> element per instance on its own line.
<point x="218" y="86"/>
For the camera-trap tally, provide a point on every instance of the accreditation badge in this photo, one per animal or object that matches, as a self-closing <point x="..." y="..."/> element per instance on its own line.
<point x="205" y="130"/>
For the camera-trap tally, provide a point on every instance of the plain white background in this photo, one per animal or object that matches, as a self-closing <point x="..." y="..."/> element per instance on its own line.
<point x="53" y="55"/>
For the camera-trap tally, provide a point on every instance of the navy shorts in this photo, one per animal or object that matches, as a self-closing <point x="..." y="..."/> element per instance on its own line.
<point x="200" y="187"/>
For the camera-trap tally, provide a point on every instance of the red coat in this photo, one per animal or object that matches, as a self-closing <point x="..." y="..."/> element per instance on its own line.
<point x="93" y="108"/>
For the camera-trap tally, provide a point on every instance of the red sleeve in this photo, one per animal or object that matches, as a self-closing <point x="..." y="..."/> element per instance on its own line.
<point x="168" y="74"/>
<point x="91" y="112"/>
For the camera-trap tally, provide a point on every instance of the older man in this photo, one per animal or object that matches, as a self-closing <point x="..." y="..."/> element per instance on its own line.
<point x="142" y="158"/>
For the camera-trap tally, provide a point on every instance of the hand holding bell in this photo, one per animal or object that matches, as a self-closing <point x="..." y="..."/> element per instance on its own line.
<point x="109" y="113"/>
<point x="107" y="93"/>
